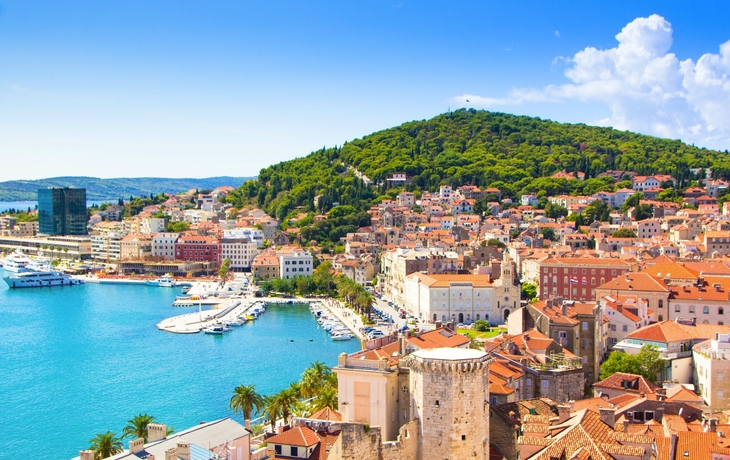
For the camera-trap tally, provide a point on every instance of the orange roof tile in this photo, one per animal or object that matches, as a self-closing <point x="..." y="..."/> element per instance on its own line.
<point x="297" y="436"/>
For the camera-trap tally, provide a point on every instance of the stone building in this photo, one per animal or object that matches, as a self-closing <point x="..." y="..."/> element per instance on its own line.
<point x="431" y="403"/>
<point x="450" y="396"/>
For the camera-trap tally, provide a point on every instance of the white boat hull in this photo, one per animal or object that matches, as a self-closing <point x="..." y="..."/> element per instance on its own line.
<point x="18" y="282"/>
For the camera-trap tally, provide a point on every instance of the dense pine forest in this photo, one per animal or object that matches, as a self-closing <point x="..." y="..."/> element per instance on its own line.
<point x="516" y="154"/>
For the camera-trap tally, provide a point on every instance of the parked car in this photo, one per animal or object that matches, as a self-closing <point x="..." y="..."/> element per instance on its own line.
<point x="376" y="334"/>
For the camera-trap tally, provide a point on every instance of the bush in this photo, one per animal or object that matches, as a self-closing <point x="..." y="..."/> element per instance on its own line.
<point x="481" y="325"/>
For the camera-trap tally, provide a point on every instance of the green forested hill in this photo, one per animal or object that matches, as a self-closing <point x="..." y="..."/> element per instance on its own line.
<point x="513" y="153"/>
<point x="112" y="189"/>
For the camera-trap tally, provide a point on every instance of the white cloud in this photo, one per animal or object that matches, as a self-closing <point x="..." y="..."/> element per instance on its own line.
<point x="557" y="33"/>
<point x="646" y="88"/>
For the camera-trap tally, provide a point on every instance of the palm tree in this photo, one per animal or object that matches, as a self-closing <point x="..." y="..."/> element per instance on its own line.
<point x="137" y="426"/>
<point x="272" y="410"/>
<point x="246" y="400"/>
<point x="364" y="301"/>
<point x="287" y="397"/>
<point x="326" y="398"/>
<point x="105" y="445"/>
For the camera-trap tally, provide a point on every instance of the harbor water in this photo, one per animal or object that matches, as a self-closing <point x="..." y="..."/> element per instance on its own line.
<point x="81" y="360"/>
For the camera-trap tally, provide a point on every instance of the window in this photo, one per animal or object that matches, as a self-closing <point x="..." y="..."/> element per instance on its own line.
<point x="720" y="311"/>
<point x="691" y="308"/>
<point x="613" y="327"/>
<point x="585" y="343"/>
<point x="294" y="451"/>
<point x="585" y="360"/>
<point x="585" y="325"/>
<point x="528" y="382"/>
<point x="706" y="310"/>
<point x="626" y="328"/>
<point x="545" y="383"/>
<point x="677" y="308"/>
<point x="277" y="449"/>
<point x="562" y="334"/>
<point x="661" y="303"/>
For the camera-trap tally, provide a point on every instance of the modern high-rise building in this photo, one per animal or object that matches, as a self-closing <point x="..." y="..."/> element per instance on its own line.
<point x="62" y="211"/>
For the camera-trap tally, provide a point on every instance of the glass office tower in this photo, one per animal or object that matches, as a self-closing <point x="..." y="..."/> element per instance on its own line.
<point x="62" y="211"/>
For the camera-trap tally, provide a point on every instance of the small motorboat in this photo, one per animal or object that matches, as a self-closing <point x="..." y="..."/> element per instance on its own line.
<point x="342" y="336"/>
<point x="214" y="330"/>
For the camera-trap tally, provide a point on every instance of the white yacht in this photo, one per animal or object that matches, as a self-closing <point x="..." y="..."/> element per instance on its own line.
<point x="16" y="262"/>
<point x="166" y="281"/>
<point x="40" y="279"/>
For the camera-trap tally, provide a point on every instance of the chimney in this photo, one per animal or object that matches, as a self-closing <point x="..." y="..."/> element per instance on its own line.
<point x="549" y="304"/>
<point x="620" y="307"/>
<point x="626" y="425"/>
<point x="673" y="446"/>
<point x="712" y="425"/>
<point x="402" y="345"/>
<point x="171" y="453"/>
<point x="86" y="455"/>
<point x="565" y="309"/>
<point x="156" y="431"/>
<point x="183" y="450"/>
<point x="345" y="411"/>
<point x="563" y="413"/>
<point x="572" y="406"/>
<point x="342" y="360"/>
<point x="136" y="445"/>
<point x="608" y="416"/>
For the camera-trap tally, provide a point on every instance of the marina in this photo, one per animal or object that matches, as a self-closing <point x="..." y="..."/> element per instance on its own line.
<point x="98" y="347"/>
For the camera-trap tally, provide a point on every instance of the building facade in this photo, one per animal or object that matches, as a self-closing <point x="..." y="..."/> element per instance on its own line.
<point x="62" y="211"/>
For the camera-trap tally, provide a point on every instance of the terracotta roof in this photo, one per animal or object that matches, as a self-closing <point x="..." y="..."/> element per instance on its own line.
<point x="639" y="281"/>
<point x="630" y="383"/>
<point x="327" y="414"/>
<point x="669" y="331"/>
<point x="446" y="280"/>
<point x="297" y="436"/>
<point x="439" y="338"/>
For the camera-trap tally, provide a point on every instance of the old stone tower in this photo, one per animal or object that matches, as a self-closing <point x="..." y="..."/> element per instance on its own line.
<point x="450" y="396"/>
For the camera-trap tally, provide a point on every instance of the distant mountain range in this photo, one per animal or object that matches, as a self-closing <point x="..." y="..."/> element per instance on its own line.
<point x="112" y="189"/>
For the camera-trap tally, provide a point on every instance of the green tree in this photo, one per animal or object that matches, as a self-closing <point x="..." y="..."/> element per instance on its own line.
<point x="481" y="325"/>
<point x="643" y="211"/>
<point x="105" y="445"/>
<point x="272" y="410"/>
<point x="529" y="291"/>
<point x="496" y="243"/>
<point x="326" y="398"/>
<point x="246" y="400"/>
<point x="624" y="232"/>
<point x="548" y="233"/>
<point x="647" y="362"/>
<point x="137" y="426"/>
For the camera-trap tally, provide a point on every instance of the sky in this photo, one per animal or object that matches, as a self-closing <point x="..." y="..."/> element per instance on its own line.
<point x="202" y="88"/>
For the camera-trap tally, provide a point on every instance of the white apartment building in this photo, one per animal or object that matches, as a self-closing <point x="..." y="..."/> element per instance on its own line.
<point x="151" y="225"/>
<point x="295" y="263"/>
<point x="163" y="245"/>
<point x="106" y="246"/>
<point x="712" y="370"/>
<point x="251" y="234"/>
<point x="623" y="315"/>
<point x="240" y="251"/>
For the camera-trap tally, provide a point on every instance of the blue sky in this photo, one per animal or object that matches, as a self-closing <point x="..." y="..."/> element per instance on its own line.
<point x="204" y="88"/>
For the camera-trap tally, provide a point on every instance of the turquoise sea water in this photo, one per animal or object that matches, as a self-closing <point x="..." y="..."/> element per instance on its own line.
<point x="79" y="360"/>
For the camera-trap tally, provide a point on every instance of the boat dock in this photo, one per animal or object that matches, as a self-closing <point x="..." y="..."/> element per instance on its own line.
<point x="192" y="323"/>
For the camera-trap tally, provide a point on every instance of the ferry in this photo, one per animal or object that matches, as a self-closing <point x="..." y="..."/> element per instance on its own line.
<point x="40" y="279"/>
